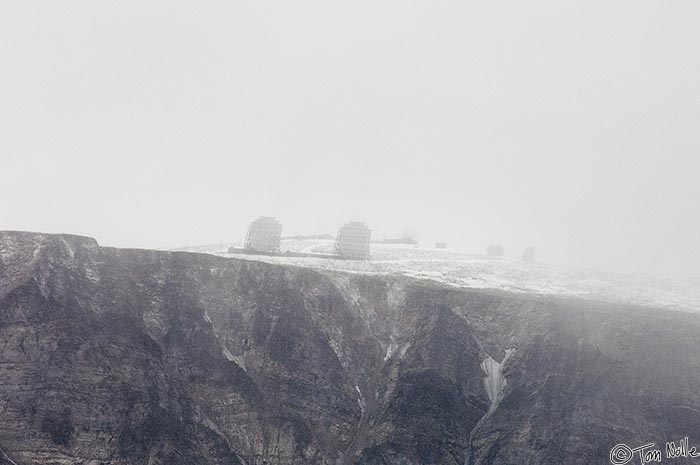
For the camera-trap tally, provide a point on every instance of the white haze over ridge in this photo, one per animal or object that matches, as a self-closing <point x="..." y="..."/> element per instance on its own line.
<point x="461" y="270"/>
<point x="570" y="126"/>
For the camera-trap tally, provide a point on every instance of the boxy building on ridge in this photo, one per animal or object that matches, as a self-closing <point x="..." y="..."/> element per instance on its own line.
<point x="264" y="235"/>
<point x="353" y="241"/>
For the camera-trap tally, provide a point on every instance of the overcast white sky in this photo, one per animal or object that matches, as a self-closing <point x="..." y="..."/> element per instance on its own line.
<point x="573" y="126"/>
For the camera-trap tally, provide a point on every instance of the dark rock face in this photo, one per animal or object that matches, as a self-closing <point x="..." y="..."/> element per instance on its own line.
<point x="112" y="356"/>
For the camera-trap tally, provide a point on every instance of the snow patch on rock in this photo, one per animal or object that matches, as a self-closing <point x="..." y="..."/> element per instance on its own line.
<point x="390" y="351"/>
<point x="69" y="248"/>
<point x="494" y="381"/>
<point x="361" y="401"/>
<point x="227" y="353"/>
<point x="238" y="360"/>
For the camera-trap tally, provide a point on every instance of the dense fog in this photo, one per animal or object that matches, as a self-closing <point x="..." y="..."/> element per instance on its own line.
<point x="164" y="124"/>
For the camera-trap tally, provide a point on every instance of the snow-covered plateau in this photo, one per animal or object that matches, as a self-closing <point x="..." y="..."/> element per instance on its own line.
<point x="459" y="269"/>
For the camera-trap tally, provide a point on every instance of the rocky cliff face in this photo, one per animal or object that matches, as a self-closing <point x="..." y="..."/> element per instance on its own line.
<point x="111" y="356"/>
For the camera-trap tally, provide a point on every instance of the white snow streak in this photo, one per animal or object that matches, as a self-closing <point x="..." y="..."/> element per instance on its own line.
<point x="494" y="381"/>
<point x="390" y="351"/>
<point x="4" y="456"/>
<point x="361" y="401"/>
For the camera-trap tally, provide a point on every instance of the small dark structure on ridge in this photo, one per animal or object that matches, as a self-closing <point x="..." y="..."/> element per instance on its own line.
<point x="264" y="235"/>
<point x="495" y="251"/>
<point x="353" y="241"/>
<point x="529" y="254"/>
<point x="441" y="245"/>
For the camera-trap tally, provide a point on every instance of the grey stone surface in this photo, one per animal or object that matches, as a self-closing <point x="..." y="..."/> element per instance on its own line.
<point x="114" y="356"/>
